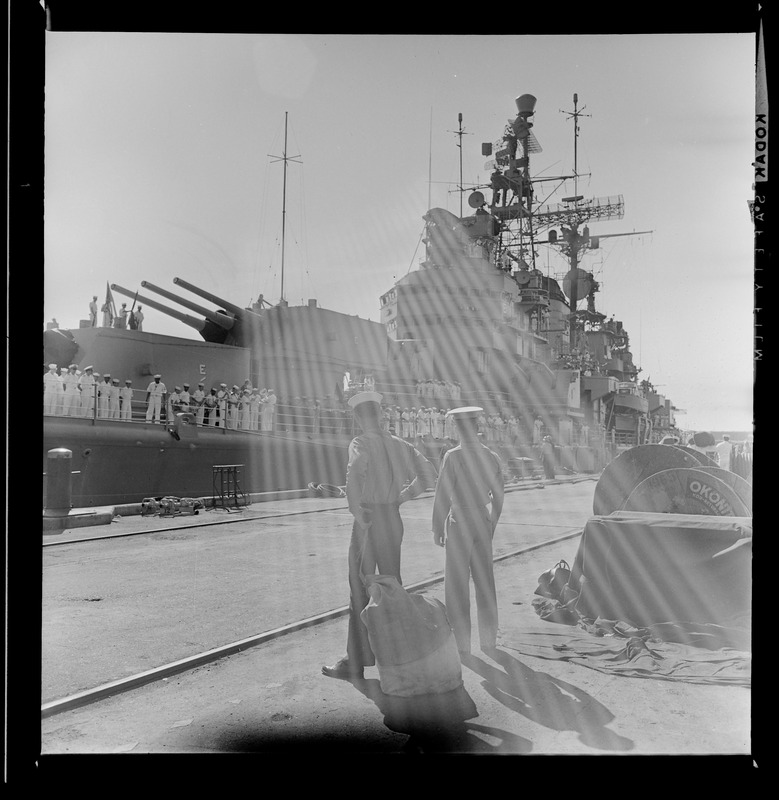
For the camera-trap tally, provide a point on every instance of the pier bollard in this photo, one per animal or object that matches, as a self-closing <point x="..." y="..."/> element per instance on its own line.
<point x="58" y="482"/>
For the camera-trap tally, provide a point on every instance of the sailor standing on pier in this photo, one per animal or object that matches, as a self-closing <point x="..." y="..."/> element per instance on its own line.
<point x="470" y="480"/>
<point x="724" y="452"/>
<point x="379" y="466"/>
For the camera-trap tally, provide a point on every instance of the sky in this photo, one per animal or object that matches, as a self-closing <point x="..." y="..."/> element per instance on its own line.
<point x="162" y="161"/>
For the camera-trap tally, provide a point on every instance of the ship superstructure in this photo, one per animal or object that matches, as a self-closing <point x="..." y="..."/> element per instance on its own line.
<point x="480" y="311"/>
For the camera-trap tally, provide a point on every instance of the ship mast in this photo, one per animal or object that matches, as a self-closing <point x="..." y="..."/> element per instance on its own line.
<point x="569" y="214"/>
<point x="285" y="158"/>
<point x="459" y="134"/>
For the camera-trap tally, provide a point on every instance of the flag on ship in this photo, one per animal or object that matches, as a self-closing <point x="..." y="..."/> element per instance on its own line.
<point x="110" y="306"/>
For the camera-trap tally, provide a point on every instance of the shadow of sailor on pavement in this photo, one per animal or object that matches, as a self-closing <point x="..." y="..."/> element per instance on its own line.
<point x="439" y="723"/>
<point x="547" y="700"/>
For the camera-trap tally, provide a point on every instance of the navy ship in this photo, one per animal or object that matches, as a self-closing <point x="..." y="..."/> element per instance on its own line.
<point x="479" y="313"/>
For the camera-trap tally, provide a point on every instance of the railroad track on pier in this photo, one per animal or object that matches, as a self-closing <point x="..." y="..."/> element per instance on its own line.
<point x="131" y="682"/>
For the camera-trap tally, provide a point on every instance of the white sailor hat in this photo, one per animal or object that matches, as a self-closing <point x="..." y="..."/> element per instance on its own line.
<point x="88" y="368"/>
<point x="115" y="380"/>
<point x="200" y="384"/>
<point x="95" y="374"/>
<point x="127" y="380"/>
<point x="178" y="388"/>
<point x="158" y="375"/>
<point x="52" y="366"/>
<point x="107" y="375"/>
<point x="465" y="412"/>
<point x="223" y="385"/>
<point x="364" y="397"/>
<point x="185" y="385"/>
<point x="73" y="366"/>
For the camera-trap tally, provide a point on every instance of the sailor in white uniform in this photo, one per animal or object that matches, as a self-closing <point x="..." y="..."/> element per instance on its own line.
<point x="724" y="452"/>
<point x="246" y="410"/>
<point x="113" y="399"/>
<point x="174" y="403"/>
<point x="254" y="413"/>
<point x="103" y="394"/>
<point x="121" y="317"/>
<point x="86" y="385"/>
<point x="406" y="424"/>
<point x="198" y="398"/>
<point x="52" y="391"/>
<point x="70" y="392"/>
<point x="233" y="401"/>
<point x="138" y="319"/>
<point x="267" y="411"/>
<point x="221" y="407"/>
<point x="185" y="398"/>
<point x="155" y="391"/>
<point x="466" y="508"/>
<point x="93" y="312"/>
<point x="210" y="404"/>
<point x="126" y="400"/>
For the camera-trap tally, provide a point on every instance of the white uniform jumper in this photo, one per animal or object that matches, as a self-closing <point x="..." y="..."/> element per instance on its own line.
<point x="155" y="391"/>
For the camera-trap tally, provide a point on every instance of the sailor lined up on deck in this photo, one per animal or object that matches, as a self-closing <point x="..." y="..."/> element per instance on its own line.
<point x="379" y="466"/>
<point x="155" y="392"/>
<point x="52" y="390"/>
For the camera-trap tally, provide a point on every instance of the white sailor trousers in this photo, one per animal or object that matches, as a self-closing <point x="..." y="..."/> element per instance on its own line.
<point x="469" y="554"/>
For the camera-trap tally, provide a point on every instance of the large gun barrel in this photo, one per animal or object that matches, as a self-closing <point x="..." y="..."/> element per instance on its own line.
<point x="193" y="322"/>
<point x="217" y="317"/>
<point x="240" y="313"/>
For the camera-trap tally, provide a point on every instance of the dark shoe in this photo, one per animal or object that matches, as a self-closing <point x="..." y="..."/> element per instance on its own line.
<point x="343" y="670"/>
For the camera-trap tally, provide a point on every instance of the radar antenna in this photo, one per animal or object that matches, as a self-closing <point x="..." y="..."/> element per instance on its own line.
<point x="574" y="115"/>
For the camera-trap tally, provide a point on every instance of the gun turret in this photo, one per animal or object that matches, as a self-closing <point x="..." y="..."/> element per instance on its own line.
<point x="240" y="313"/>
<point x="217" y="317"/>
<point x="198" y="324"/>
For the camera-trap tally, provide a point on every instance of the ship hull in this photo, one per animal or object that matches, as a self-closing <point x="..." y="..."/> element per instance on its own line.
<point x="118" y="462"/>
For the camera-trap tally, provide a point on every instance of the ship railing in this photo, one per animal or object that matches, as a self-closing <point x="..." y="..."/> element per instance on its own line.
<point x="625" y="438"/>
<point x="415" y="393"/>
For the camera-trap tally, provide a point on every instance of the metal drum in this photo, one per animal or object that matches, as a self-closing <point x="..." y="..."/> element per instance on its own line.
<point x="686" y="491"/>
<point x="629" y="468"/>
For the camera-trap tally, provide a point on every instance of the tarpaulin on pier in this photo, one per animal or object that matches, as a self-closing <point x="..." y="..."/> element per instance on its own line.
<point x="616" y="648"/>
<point x="655" y="595"/>
<point x="646" y="567"/>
